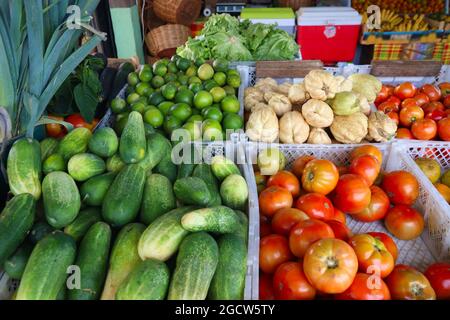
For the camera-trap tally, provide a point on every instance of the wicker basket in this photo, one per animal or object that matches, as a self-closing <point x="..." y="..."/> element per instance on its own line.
<point x="163" y="41"/>
<point x="177" y="11"/>
<point x="297" y="4"/>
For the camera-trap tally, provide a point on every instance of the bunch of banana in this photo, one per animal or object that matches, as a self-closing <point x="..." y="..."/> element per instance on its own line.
<point x="389" y="20"/>
<point x="415" y="23"/>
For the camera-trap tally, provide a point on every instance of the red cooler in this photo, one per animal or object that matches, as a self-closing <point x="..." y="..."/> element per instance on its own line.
<point x="329" y="34"/>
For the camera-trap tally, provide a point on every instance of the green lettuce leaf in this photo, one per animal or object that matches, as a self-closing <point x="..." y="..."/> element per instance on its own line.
<point x="229" y="47"/>
<point x="221" y="23"/>
<point x="278" y="45"/>
<point x="194" y="49"/>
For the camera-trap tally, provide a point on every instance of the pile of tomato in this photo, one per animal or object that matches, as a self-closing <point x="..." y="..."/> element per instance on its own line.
<point x="57" y="130"/>
<point x="307" y="251"/>
<point x="421" y="113"/>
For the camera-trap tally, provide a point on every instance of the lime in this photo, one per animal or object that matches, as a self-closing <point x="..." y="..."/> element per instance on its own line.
<point x="195" y="118"/>
<point x="183" y="79"/>
<point x="157" y="82"/>
<point x="191" y="71"/>
<point x="212" y="130"/>
<point x="230" y="91"/>
<point x="212" y="113"/>
<point x="147" y="67"/>
<point x="132" y="98"/>
<point x="145" y="75"/>
<point x="143" y="89"/>
<point x="159" y="69"/>
<point x="169" y="77"/>
<point x="195" y="87"/>
<point x="203" y="99"/>
<point x="233" y="121"/>
<point x="164" y="61"/>
<point x="230" y="104"/>
<point x="209" y="84"/>
<point x="169" y="91"/>
<point x="232" y="72"/>
<point x="143" y="99"/>
<point x="183" y="87"/>
<point x="218" y="94"/>
<point x="154" y="117"/>
<point x="156" y="98"/>
<point x="148" y="107"/>
<point x="183" y="64"/>
<point x="220" y="78"/>
<point x="171" y="123"/>
<point x="165" y="106"/>
<point x="199" y="61"/>
<point x="181" y="110"/>
<point x="118" y="105"/>
<point x="234" y="81"/>
<point x="220" y="65"/>
<point x="175" y="58"/>
<point x="205" y="71"/>
<point x="194" y="129"/>
<point x="172" y="67"/>
<point x="133" y="79"/>
<point x="194" y="79"/>
<point x="139" y="107"/>
<point x="129" y="90"/>
<point x="184" y="95"/>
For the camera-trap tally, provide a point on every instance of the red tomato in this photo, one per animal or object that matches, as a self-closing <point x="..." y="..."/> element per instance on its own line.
<point x="340" y="230"/>
<point x="330" y="265"/>
<point x="424" y="129"/>
<point x="378" y="207"/>
<point x="342" y="170"/>
<point x="394" y="116"/>
<point x="404" y="133"/>
<point x="373" y="257"/>
<point x="352" y="194"/>
<point x="444" y="129"/>
<point x="387" y="241"/>
<point x="290" y="283"/>
<point x="55" y="130"/>
<point x="287" y="180"/>
<point x="395" y="100"/>
<point x="299" y="165"/>
<point x="410" y="114"/>
<point x="273" y="251"/>
<point x="404" y="222"/>
<point x="285" y="219"/>
<point x="446" y="101"/>
<point x="366" y="287"/>
<point x="265" y="228"/>
<point x="383" y="94"/>
<point x="401" y="187"/>
<point x="421" y="99"/>
<point x="305" y="233"/>
<point x="265" y="287"/>
<point x="320" y="176"/>
<point x="436" y="116"/>
<point x="366" y="166"/>
<point x="405" y="90"/>
<point x="388" y="106"/>
<point x="339" y="216"/>
<point x="406" y="283"/>
<point x="78" y="121"/>
<point x="433" y="92"/>
<point x="273" y="199"/>
<point x="367" y="149"/>
<point x="439" y="276"/>
<point x="445" y="88"/>
<point x="409" y="102"/>
<point x="432" y="106"/>
<point x="316" y="206"/>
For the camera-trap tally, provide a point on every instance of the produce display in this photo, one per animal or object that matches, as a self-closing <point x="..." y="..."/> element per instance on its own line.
<point x="307" y="249"/>
<point x="178" y="93"/>
<point x="138" y="226"/>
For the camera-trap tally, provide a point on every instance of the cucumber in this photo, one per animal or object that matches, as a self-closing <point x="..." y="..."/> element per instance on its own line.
<point x="104" y="142"/>
<point x="234" y="191"/>
<point x="124" y="258"/>
<point x="167" y="168"/>
<point x="92" y="259"/>
<point x="222" y="167"/>
<point x="157" y="147"/>
<point x="243" y="225"/>
<point x="158" y="198"/>
<point x="204" y="172"/>
<point x="148" y="281"/>
<point x="84" y="166"/>
<point x="162" y="238"/>
<point x="132" y="141"/>
<point x="93" y="191"/>
<point x="16" y="220"/>
<point x="196" y="263"/>
<point x="39" y="230"/>
<point x="192" y="190"/>
<point x="54" y="162"/>
<point x="76" y="141"/>
<point x="61" y="199"/>
<point x="48" y="147"/>
<point x="15" y="264"/>
<point x="229" y="279"/>
<point x="185" y="170"/>
<point x="115" y="163"/>
<point x="24" y="167"/>
<point x="85" y="219"/>
<point x="123" y="199"/>
<point x="46" y="269"/>
<point x="219" y="219"/>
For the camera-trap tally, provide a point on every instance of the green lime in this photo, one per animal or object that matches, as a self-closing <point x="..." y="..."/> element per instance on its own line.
<point x="169" y="77"/>
<point x="169" y="91"/>
<point x="183" y="64"/>
<point x="230" y="104"/>
<point x="157" y="82"/>
<point x="194" y="129"/>
<point x="233" y="121"/>
<point x="175" y="58"/>
<point x="142" y="99"/>
<point x="231" y="72"/>
<point x="138" y="106"/>
<point x="203" y="99"/>
<point x="209" y="84"/>
<point x="154" y="117"/>
<point x="118" y="105"/>
<point x="212" y="130"/>
<point x="165" y="106"/>
<point x="159" y="69"/>
<point x="183" y="79"/>
<point x="133" y="79"/>
<point x="171" y="123"/>
<point x="143" y="89"/>
<point x="129" y="90"/>
<point x="148" y="107"/>
<point x="212" y="113"/>
<point x="184" y="95"/>
<point x="156" y="98"/>
<point x="194" y="79"/>
<point x="165" y="61"/>
<point x="234" y="81"/>
<point x="181" y="110"/>
<point x="230" y="91"/>
<point x="220" y="78"/>
<point x="218" y="94"/>
<point x="145" y="75"/>
<point x="183" y="87"/>
<point x="205" y="71"/>
<point x="147" y="67"/>
<point x="195" y="87"/>
<point x="132" y="98"/>
<point x="195" y="118"/>
<point x="191" y="71"/>
<point x="199" y="61"/>
<point x="172" y="67"/>
<point x="220" y="65"/>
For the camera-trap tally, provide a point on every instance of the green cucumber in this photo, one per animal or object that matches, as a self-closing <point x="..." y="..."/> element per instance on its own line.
<point x="222" y="167"/>
<point x="124" y="258"/>
<point x="54" y="162"/>
<point x="46" y="269"/>
<point x="48" y="146"/>
<point x="204" y="172"/>
<point x="157" y="147"/>
<point x="167" y="168"/>
<point x="39" y="230"/>
<point x="132" y="141"/>
<point x="76" y="141"/>
<point x="84" y="166"/>
<point x="123" y="199"/>
<point x="115" y="163"/>
<point x="104" y="142"/>
<point x="243" y="225"/>
<point x="234" y="191"/>
<point x="192" y="190"/>
<point x="15" y="264"/>
<point x="85" y="219"/>
<point x="93" y="191"/>
<point x="185" y="170"/>
<point x="158" y="198"/>
<point x="219" y="219"/>
<point x="196" y="263"/>
<point x="92" y="260"/>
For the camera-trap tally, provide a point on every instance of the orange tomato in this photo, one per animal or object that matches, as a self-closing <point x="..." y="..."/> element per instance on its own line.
<point x="444" y="191"/>
<point x="404" y="222"/>
<point x="410" y="102"/>
<point x="404" y="133"/>
<point x="299" y="165"/>
<point x="433" y="92"/>
<point x="405" y="90"/>
<point x="285" y="219"/>
<point x="273" y="199"/>
<point x="425" y="129"/>
<point x="367" y="149"/>
<point x="401" y="187"/>
<point x="352" y="194"/>
<point x="366" y="166"/>
<point x="366" y="287"/>
<point x="320" y="176"/>
<point x="290" y="283"/>
<point x="410" y="114"/>
<point x="378" y="207"/>
<point x="305" y="233"/>
<point x="406" y="283"/>
<point x="444" y="128"/>
<point x="273" y="251"/>
<point x="287" y="180"/>
<point x="316" y="206"/>
<point x="387" y="241"/>
<point x="421" y="99"/>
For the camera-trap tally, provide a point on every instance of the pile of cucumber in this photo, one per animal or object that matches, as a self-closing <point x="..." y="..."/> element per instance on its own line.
<point x="97" y="216"/>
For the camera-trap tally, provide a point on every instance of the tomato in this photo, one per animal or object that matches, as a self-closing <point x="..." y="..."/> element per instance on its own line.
<point x="330" y="265"/>
<point x="446" y="101"/>
<point x="367" y="149"/>
<point x="401" y="187"/>
<point x="433" y="106"/>
<point x="305" y="233"/>
<point x="78" y="121"/>
<point x="436" y="116"/>
<point x="366" y="287"/>
<point x="316" y="206"/>
<point x="421" y="99"/>
<point x="373" y="257"/>
<point x="433" y="92"/>
<point x="352" y="194"/>
<point x="320" y="176"/>
<point x="383" y="94"/>
<point x="444" y="129"/>
<point x="439" y="276"/>
<point x="388" y="243"/>
<point x="340" y="230"/>
<point x="285" y="219"/>
<point x="290" y="283"/>
<point x="406" y="283"/>
<point x="339" y="216"/>
<point x="273" y="199"/>
<point x="445" y="88"/>
<point x="53" y="129"/>
<point x="410" y="114"/>
<point x="342" y="170"/>
<point x="395" y="100"/>
<point x="266" y="291"/>
<point x="394" y="116"/>
<point x="404" y="133"/>
<point x="405" y="90"/>
<point x="287" y="180"/>
<point x="366" y="166"/>
<point x="378" y="207"/>
<point x="299" y="165"/>
<point x="424" y="129"/>
<point x="388" y="106"/>
<point x="273" y="251"/>
<point x="404" y="222"/>
<point x="265" y="228"/>
<point x="410" y="102"/>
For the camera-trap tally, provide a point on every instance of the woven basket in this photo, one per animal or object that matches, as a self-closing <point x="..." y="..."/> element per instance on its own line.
<point x="163" y="41"/>
<point x="297" y="4"/>
<point x="177" y="11"/>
